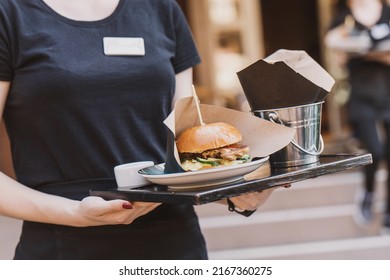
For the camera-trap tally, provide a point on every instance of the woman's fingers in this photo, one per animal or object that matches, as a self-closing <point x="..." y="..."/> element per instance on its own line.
<point x="254" y="200"/>
<point x="251" y="201"/>
<point x="99" y="211"/>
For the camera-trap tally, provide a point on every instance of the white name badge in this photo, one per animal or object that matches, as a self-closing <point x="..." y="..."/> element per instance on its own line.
<point x="124" y="46"/>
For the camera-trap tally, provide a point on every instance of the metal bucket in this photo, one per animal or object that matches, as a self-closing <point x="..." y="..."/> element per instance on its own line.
<point x="307" y="143"/>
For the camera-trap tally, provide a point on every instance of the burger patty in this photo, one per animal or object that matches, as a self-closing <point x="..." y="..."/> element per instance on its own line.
<point x="231" y="152"/>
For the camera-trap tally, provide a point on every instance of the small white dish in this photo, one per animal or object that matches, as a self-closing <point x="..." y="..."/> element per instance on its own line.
<point x="127" y="176"/>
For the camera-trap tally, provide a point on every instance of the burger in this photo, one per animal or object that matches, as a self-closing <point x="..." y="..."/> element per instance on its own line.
<point x="211" y="145"/>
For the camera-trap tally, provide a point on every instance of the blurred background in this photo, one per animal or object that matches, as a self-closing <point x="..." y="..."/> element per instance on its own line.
<point x="313" y="219"/>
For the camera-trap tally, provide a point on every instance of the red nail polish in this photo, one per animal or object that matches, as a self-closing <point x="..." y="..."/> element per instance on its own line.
<point x="127" y="205"/>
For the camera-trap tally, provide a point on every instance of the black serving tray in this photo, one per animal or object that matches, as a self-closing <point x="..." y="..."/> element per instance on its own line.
<point x="267" y="177"/>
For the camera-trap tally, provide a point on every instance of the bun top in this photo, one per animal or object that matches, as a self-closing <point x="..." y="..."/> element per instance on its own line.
<point x="197" y="139"/>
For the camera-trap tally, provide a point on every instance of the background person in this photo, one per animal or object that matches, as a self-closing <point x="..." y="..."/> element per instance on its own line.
<point x="360" y="33"/>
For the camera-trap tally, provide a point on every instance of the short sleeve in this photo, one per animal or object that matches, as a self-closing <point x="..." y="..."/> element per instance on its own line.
<point x="6" y="71"/>
<point x="186" y="54"/>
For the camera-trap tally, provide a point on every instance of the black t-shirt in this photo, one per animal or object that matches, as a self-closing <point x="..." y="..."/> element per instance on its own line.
<point x="73" y="113"/>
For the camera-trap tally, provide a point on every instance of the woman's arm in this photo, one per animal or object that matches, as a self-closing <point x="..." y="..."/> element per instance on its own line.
<point x="183" y="85"/>
<point x="21" y="202"/>
<point x="5" y="152"/>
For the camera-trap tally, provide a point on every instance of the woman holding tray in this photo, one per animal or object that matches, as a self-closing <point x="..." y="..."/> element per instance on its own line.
<point x="361" y="34"/>
<point x="75" y="105"/>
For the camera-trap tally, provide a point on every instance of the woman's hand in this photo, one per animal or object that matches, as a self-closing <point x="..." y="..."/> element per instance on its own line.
<point x="46" y="208"/>
<point x="253" y="200"/>
<point x="98" y="211"/>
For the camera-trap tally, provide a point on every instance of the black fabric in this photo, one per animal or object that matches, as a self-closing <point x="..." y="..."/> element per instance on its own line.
<point x="169" y="232"/>
<point x="73" y="113"/>
<point x="142" y="241"/>
<point x="370" y="90"/>
<point x="367" y="132"/>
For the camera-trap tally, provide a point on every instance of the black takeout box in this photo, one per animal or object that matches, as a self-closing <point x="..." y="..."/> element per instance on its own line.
<point x="286" y="78"/>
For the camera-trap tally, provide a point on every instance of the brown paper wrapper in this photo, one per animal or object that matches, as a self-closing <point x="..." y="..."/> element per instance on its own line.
<point x="262" y="137"/>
